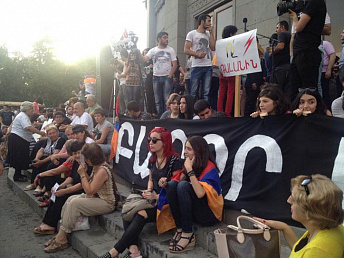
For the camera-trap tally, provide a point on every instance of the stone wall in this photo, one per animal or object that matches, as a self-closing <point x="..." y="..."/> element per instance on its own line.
<point x="177" y="17"/>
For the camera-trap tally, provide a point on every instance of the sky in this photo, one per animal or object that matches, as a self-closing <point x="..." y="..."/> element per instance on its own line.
<point x="78" y="28"/>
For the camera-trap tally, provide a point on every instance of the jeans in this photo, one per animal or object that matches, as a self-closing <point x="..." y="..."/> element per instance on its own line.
<point x="201" y="74"/>
<point x="162" y="86"/>
<point x="186" y="206"/>
<point x="133" y="93"/>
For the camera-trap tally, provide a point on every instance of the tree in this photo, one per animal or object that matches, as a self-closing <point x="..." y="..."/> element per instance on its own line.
<point x="40" y="75"/>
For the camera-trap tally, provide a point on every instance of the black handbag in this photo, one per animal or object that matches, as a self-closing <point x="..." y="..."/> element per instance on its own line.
<point x="260" y="241"/>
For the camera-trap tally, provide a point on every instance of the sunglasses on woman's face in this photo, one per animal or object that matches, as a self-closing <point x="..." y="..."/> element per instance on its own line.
<point x="154" y="140"/>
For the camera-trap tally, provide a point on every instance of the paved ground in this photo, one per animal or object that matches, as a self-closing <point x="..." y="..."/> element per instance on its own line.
<point x="17" y="221"/>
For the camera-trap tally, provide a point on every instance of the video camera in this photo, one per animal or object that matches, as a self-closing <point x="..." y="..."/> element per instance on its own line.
<point x="295" y="5"/>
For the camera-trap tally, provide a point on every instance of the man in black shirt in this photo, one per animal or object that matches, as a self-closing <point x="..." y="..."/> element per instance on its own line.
<point x="6" y="116"/>
<point x="281" y="58"/>
<point x="306" y="55"/>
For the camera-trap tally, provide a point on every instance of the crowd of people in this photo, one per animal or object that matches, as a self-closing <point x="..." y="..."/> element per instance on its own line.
<point x="75" y="139"/>
<point x="159" y="73"/>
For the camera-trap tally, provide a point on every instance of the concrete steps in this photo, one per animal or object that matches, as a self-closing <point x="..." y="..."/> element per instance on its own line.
<point x="106" y="229"/>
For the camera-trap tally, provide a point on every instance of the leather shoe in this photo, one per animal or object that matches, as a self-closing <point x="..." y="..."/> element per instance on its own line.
<point x="21" y="178"/>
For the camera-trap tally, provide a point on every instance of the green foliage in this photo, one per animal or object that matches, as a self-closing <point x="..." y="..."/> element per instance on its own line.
<point x="40" y="75"/>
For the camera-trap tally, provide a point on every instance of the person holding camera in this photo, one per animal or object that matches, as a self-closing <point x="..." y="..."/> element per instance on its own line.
<point x="304" y="68"/>
<point x="133" y="77"/>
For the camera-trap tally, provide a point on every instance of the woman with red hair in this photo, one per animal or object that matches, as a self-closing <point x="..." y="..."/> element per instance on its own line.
<point x="163" y="165"/>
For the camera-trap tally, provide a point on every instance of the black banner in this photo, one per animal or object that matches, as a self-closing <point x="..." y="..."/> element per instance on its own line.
<point x="256" y="157"/>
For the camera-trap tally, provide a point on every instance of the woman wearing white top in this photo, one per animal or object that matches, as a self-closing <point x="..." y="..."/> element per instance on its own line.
<point x="103" y="131"/>
<point x="19" y="140"/>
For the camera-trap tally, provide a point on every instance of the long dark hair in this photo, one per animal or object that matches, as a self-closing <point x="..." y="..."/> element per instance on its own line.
<point x="189" y="114"/>
<point x="202" y="154"/>
<point x="274" y="92"/>
<point x="321" y="107"/>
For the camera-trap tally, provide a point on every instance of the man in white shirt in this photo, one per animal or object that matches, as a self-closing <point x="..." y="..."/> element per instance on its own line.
<point x="164" y="65"/>
<point x="82" y="118"/>
<point x="199" y="44"/>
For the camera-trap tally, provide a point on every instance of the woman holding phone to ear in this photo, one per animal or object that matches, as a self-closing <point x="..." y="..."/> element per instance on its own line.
<point x="199" y="198"/>
<point x="163" y="160"/>
<point x="99" y="197"/>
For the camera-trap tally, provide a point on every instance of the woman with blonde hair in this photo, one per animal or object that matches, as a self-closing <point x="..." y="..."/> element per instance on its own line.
<point x="172" y="104"/>
<point x="316" y="202"/>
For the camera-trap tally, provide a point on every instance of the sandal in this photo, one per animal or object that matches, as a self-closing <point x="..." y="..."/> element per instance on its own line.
<point x="175" y="239"/>
<point x="107" y="255"/>
<point x="132" y="255"/>
<point x="45" y="203"/>
<point x="38" y="190"/>
<point x="40" y="231"/>
<point x="189" y="246"/>
<point x="43" y="198"/>
<point x="38" y="194"/>
<point x="54" y="247"/>
<point x="49" y="242"/>
<point x="29" y="187"/>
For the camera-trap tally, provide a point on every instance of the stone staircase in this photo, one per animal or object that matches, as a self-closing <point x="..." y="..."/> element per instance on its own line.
<point x="106" y="229"/>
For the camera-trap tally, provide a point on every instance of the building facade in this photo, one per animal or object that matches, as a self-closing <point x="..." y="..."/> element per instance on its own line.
<point x="178" y="17"/>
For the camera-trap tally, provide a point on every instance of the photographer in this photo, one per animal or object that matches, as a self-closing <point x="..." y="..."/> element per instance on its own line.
<point x="133" y="77"/>
<point x="304" y="68"/>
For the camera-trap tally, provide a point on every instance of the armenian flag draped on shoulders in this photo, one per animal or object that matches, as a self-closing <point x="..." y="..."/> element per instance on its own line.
<point x="210" y="181"/>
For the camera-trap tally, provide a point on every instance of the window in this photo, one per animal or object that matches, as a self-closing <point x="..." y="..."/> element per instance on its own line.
<point x="222" y="16"/>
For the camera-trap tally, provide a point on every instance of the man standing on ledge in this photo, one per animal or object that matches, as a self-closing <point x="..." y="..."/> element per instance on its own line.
<point x="304" y="68"/>
<point x="164" y="65"/>
<point x="199" y="44"/>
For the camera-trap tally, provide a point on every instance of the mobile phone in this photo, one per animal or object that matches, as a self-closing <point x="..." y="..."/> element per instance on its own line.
<point x="82" y="160"/>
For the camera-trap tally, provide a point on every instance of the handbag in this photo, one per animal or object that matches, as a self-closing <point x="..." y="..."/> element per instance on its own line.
<point x="82" y="224"/>
<point x="133" y="204"/>
<point x="258" y="242"/>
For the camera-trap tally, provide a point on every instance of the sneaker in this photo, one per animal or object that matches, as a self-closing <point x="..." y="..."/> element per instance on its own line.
<point x="21" y="178"/>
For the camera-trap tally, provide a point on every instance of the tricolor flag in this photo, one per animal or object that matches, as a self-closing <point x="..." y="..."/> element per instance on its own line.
<point x="114" y="141"/>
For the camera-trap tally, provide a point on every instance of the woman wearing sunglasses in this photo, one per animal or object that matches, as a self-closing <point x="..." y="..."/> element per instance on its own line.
<point x="270" y="101"/>
<point x="197" y="199"/>
<point x="309" y="101"/>
<point x="316" y="202"/>
<point x="163" y="164"/>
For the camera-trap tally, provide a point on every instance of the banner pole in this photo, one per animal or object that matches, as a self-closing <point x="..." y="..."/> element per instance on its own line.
<point x="237" y="96"/>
